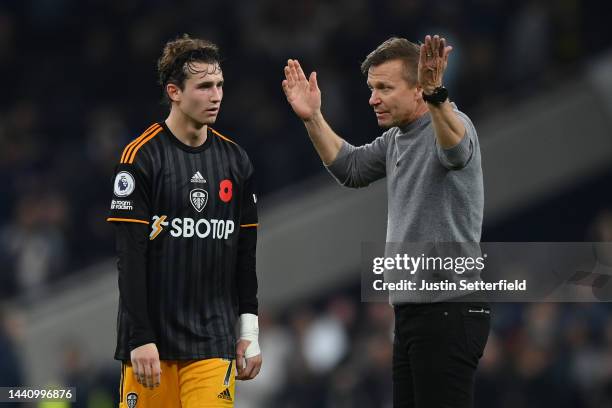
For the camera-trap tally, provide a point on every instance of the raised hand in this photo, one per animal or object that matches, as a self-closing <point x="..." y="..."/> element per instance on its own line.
<point x="432" y="62"/>
<point x="302" y="94"/>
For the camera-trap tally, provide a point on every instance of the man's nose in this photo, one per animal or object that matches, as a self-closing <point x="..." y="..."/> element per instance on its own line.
<point x="374" y="99"/>
<point x="217" y="94"/>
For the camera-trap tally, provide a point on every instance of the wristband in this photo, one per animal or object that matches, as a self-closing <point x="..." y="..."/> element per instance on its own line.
<point x="249" y="330"/>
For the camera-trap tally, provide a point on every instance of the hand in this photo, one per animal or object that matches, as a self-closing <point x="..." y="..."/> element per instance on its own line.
<point x="302" y="94"/>
<point x="432" y="62"/>
<point x="146" y="366"/>
<point x="248" y="368"/>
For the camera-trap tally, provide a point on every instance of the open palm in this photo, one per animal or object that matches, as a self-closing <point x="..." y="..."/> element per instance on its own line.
<point x="302" y="94"/>
<point x="433" y="61"/>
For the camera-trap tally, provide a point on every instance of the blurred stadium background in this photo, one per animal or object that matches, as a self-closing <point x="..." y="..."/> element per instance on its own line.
<point x="80" y="82"/>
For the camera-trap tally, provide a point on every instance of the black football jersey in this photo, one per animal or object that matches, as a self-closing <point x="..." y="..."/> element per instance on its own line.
<point x="196" y="200"/>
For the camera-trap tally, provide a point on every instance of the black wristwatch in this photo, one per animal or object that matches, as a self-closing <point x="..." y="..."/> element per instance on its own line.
<point x="439" y="95"/>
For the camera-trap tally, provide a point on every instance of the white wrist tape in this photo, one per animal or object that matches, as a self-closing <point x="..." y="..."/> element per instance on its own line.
<point x="249" y="330"/>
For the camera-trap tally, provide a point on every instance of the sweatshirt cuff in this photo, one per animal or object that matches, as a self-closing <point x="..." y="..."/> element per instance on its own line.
<point x="338" y="167"/>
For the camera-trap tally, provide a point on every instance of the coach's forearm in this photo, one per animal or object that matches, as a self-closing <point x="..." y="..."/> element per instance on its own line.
<point x="449" y="129"/>
<point x="326" y="142"/>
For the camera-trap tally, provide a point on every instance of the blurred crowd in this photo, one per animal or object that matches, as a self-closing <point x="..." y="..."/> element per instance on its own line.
<point x="80" y="83"/>
<point x="336" y="353"/>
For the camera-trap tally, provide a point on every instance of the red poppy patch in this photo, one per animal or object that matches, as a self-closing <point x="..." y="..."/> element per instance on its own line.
<point x="225" y="190"/>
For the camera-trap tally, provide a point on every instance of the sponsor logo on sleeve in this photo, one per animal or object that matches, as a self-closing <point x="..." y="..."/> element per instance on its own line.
<point x="121" y="205"/>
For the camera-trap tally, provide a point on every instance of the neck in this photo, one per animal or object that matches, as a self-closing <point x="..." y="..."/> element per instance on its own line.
<point x="420" y="110"/>
<point x="185" y="129"/>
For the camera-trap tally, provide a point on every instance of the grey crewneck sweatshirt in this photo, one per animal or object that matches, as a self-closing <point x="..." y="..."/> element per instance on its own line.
<point x="434" y="194"/>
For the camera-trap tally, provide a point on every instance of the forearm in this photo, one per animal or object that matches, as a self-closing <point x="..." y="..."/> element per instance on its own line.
<point x="131" y="241"/>
<point x="326" y="142"/>
<point x="449" y="129"/>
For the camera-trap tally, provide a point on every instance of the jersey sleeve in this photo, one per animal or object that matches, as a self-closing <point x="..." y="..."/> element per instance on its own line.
<point x="246" y="272"/>
<point x="248" y="214"/>
<point x="131" y="193"/>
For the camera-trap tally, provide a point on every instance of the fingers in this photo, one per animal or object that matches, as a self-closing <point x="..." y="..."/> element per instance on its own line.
<point x="240" y="363"/>
<point x="289" y="77"/>
<point x="299" y="71"/>
<point x="248" y="371"/>
<point x="446" y="51"/>
<point x="157" y="373"/>
<point x="294" y="73"/>
<point x="136" y="371"/>
<point x="252" y="368"/>
<point x="435" y="46"/>
<point x="428" y="47"/>
<point x="312" y="81"/>
<point x="146" y="365"/>
<point x="422" y="57"/>
<point x="148" y="376"/>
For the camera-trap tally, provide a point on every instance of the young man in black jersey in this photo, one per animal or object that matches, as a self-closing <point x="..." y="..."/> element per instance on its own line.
<point x="184" y="209"/>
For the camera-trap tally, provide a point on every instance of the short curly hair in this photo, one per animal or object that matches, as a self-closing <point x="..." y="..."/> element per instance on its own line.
<point x="395" y="49"/>
<point x="177" y="59"/>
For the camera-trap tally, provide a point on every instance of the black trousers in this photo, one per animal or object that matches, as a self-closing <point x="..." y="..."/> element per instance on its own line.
<point x="436" y="351"/>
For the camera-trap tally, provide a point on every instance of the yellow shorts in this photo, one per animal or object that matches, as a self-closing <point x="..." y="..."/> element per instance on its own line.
<point x="184" y="384"/>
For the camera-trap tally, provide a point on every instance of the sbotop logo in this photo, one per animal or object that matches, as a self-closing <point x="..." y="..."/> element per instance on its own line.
<point x="188" y="227"/>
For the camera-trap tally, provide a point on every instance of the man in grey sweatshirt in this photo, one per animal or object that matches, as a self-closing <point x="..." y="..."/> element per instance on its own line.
<point x="430" y="156"/>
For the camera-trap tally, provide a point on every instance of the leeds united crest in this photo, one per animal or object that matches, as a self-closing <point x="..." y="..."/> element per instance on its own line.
<point x="199" y="198"/>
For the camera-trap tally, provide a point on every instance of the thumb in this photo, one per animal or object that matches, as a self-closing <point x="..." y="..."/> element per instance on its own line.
<point x="313" y="81"/>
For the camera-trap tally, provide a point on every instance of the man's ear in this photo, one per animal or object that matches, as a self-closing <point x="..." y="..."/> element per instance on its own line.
<point x="174" y="92"/>
<point x="418" y="92"/>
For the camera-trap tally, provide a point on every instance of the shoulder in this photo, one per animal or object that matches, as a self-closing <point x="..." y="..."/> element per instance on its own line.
<point x="231" y="145"/>
<point x="135" y="152"/>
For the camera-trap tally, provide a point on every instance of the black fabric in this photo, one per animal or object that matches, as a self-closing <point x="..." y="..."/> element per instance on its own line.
<point x="195" y="245"/>
<point x="247" y="244"/>
<point x="436" y="351"/>
<point x="246" y="277"/>
<point x="131" y="244"/>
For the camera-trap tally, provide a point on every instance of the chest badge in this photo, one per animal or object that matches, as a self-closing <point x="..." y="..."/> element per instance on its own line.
<point x="198" y="198"/>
